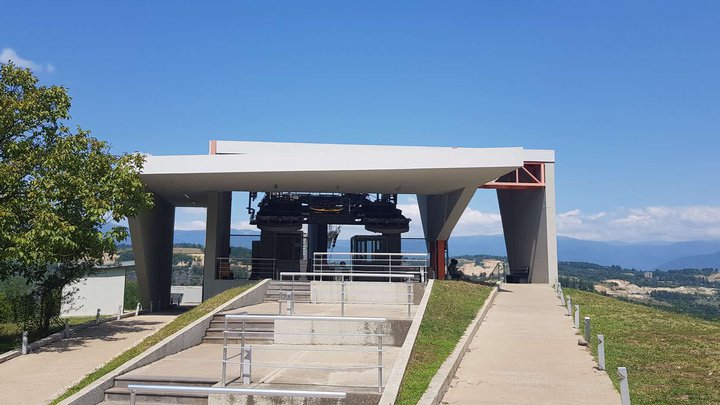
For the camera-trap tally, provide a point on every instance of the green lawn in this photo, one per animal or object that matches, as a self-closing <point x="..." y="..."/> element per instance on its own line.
<point x="178" y="323"/>
<point x="451" y="308"/>
<point x="671" y="358"/>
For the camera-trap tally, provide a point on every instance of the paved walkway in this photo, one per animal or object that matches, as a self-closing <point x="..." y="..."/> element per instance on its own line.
<point x="526" y="352"/>
<point x="39" y="377"/>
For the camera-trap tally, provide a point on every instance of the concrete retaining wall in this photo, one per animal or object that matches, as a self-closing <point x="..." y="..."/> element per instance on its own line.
<point x="396" y="375"/>
<point x="363" y="291"/>
<point x="441" y="381"/>
<point x="354" y="332"/>
<point x="185" y="338"/>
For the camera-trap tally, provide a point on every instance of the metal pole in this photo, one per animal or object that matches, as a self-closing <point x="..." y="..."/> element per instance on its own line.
<point x="601" y="352"/>
<point x="624" y="386"/>
<point x="577" y="316"/>
<point x="410" y="296"/>
<point x="247" y="365"/>
<point x="24" y="348"/>
<point x="569" y="306"/>
<point x="380" y="361"/>
<point x="342" y="298"/>
<point x="224" y="364"/>
<point x="587" y="329"/>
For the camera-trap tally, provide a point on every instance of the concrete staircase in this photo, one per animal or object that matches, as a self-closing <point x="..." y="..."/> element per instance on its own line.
<point x="261" y="331"/>
<point x="119" y="393"/>
<point x="301" y="290"/>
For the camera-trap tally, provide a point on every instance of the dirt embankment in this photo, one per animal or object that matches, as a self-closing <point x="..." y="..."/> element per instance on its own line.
<point x="626" y="289"/>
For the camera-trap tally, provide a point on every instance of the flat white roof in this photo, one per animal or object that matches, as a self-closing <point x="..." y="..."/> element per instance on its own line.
<point x="331" y="168"/>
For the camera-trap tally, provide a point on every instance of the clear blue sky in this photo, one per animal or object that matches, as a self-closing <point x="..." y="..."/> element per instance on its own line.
<point x="627" y="93"/>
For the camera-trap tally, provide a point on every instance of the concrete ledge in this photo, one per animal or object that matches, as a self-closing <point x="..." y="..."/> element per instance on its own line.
<point x="185" y="338"/>
<point x="396" y="375"/>
<point x="441" y="381"/>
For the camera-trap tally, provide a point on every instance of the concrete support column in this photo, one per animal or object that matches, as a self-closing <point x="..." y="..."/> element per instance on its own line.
<point x="528" y="218"/>
<point x="217" y="237"/>
<point x="152" y="241"/>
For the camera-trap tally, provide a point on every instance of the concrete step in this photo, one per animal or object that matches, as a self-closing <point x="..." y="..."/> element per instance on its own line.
<point x="122" y="381"/>
<point x="119" y="392"/>
<point x="255" y="340"/>
<point x="122" y="395"/>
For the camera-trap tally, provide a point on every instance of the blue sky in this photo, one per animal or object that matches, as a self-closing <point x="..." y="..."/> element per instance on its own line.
<point x="627" y="93"/>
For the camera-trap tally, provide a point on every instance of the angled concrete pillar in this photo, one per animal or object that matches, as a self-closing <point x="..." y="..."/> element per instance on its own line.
<point x="528" y="218"/>
<point x="152" y="241"/>
<point x="217" y="240"/>
<point x="439" y="214"/>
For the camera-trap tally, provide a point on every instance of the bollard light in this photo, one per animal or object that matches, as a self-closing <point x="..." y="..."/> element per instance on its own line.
<point x="577" y="316"/>
<point x="587" y="329"/>
<point x="601" y="352"/>
<point x="624" y="386"/>
<point x="569" y="307"/>
<point x="24" y="347"/>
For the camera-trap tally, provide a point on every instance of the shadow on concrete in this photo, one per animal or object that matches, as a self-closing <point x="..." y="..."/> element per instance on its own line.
<point x="109" y="331"/>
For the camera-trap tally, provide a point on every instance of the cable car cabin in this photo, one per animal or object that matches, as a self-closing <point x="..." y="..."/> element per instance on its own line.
<point x="376" y="254"/>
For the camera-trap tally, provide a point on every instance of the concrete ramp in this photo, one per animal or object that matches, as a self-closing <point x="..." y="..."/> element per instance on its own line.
<point x="526" y="352"/>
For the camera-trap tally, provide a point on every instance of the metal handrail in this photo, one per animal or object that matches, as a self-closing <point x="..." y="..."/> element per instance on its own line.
<point x="183" y="389"/>
<point x="246" y="350"/>
<point x="412" y="263"/>
<point x="290" y="299"/>
<point x="253" y="317"/>
<point x="245" y="263"/>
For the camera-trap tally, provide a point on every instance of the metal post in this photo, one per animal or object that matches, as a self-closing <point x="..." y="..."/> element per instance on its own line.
<point x="577" y="316"/>
<point x="569" y="306"/>
<point x="587" y="329"/>
<point x="380" y="361"/>
<point x="601" y="352"/>
<point x="290" y="303"/>
<point x="224" y="363"/>
<point x="247" y="365"/>
<point x="132" y="397"/>
<point x="342" y="298"/>
<point x="410" y="296"/>
<point x="119" y="314"/>
<point x="624" y="386"/>
<point x="97" y="317"/>
<point x="242" y="349"/>
<point x="137" y="309"/>
<point x="24" y="348"/>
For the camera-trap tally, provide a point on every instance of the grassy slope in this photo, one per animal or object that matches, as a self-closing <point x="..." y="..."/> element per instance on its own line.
<point x="451" y="308"/>
<point x="671" y="358"/>
<point x="167" y="330"/>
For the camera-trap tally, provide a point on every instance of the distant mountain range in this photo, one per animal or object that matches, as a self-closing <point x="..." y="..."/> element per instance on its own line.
<point x="641" y="256"/>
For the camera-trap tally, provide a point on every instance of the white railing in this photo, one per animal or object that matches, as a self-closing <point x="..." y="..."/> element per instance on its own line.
<point x="241" y="268"/>
<point x="245" y="351"/>
<point x="288" y="295"/>
<point x="360" y="263"/>
<point x="183" y="389"/>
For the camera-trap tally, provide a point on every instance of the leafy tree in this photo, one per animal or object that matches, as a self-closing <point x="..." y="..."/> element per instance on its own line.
<point x="58" y="188"/>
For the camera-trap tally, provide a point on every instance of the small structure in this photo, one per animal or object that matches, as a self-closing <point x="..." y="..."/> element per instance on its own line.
<point x="322" y="184"/>
<point x="104" y="290"/>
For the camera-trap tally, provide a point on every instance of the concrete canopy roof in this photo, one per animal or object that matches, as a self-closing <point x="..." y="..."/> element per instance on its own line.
<point x="270" y="166"/>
